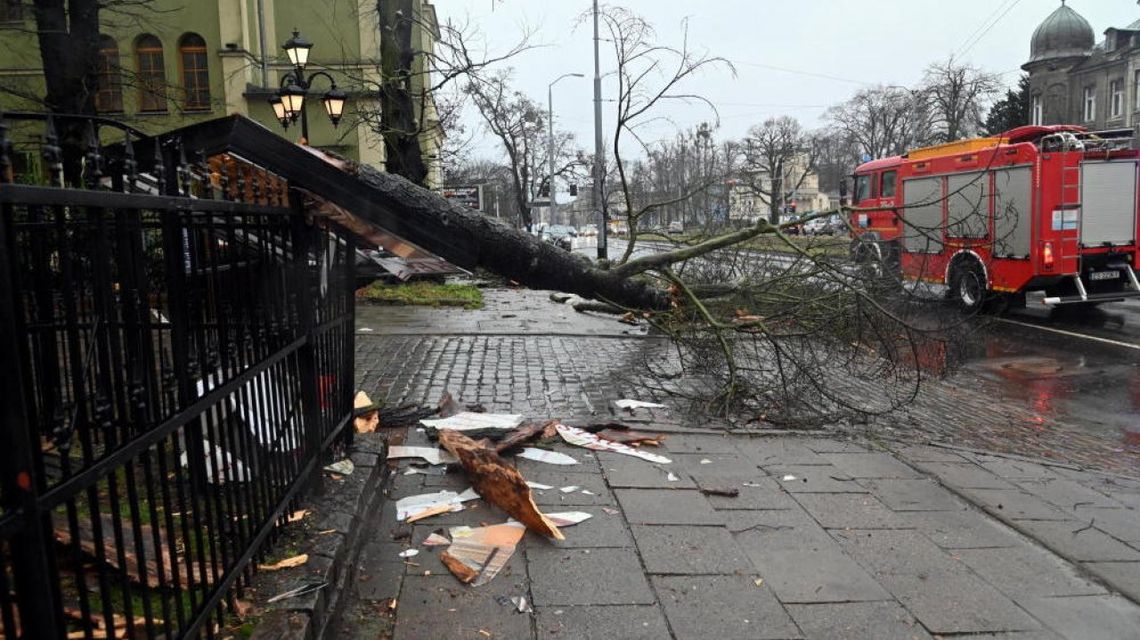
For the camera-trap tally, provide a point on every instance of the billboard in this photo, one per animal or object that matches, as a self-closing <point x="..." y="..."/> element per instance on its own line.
<point x="469" y="196"/>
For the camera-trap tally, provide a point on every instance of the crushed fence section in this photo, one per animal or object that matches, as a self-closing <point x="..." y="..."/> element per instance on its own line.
<point x="177" y="356"/>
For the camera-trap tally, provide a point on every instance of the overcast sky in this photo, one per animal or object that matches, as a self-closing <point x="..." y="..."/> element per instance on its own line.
<point x="794" y="57"/>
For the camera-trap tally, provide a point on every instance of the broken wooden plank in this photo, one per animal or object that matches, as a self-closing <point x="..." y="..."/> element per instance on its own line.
<point x="498" y="483"/>
<point x="456" y="566"/>
<point x="525" y="433"/>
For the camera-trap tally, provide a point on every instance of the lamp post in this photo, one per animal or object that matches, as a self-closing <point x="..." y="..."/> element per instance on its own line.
<point x="550" y="138"/>
<point x="599" y="150"/>
<point x="289" y="102"/>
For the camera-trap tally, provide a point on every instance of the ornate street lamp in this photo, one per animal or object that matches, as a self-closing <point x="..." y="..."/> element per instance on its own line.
<point x="289" y="102"/>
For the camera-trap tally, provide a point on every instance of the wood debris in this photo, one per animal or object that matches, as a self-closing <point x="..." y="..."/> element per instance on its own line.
<point x="631" y="437"/>
<point x="461" y="571"/>
<point x="287" y="563"/>
<point x="498" y="483"/>
<point x="367" y="413"/>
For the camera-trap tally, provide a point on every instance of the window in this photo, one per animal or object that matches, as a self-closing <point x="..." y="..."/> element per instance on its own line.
<point x="888" y="188"/>
<point x="1116" y="98"/>
<point x="11" y="11"/>
<point x="862" y="188"/>
<point x="108" y="78"/>
<point x="1090" y="104"/>
<point x="195" y="75"/>
<point x="1136" y="90"/>
<point x="1037" y="113"/>
<point x="151" y="73"/>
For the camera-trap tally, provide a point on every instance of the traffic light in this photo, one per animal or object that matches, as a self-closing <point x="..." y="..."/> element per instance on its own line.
<point x="574" y="190"/>
<point x="544" y="191"/>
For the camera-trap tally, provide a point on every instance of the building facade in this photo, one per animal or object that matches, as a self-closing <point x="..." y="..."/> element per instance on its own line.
<point x="1075" y="80"/>
<point x="746" y="203"/>
<point x="172" y="63"/>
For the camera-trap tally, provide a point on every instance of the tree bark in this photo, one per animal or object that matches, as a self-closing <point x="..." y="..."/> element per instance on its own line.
<point x="68" y="38"/>
<point x="398" y="116"/>
<point x="511" y="253"/>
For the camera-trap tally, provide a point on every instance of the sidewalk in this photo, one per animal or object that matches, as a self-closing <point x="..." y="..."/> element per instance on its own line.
<point x="829" y="538"/>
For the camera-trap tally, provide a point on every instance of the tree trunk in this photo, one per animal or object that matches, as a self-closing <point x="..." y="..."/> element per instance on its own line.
<point x="400" y="108"/>
<point x="509" y="252"/>
<point x="68" y="37"/>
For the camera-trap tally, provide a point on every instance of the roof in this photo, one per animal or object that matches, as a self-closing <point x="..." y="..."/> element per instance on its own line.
<point x="1063" y="34"/>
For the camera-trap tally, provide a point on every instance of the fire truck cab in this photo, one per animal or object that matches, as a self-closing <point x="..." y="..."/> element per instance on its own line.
<point x="1038" y="208"/>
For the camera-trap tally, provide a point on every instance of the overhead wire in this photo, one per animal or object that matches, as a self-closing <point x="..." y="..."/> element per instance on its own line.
<point x="987" y="30"/>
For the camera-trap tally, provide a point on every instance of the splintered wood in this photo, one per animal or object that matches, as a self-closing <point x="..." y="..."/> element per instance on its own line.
<point x="498" y="483"/>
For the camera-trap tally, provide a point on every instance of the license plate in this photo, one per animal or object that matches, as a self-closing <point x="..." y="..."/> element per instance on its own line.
<point x="1104" y="275"/>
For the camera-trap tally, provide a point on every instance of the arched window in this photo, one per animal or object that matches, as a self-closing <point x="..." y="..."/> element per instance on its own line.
<point x="109" y="77"/>
<point x="152" y="73"/>
<point x="195" y="75"/>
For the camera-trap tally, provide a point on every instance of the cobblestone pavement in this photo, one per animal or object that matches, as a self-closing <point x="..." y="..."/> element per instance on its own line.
<point x="829" y="538"/>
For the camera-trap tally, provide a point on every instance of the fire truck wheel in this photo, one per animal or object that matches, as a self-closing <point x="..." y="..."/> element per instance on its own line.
<point x="968" y="286"/>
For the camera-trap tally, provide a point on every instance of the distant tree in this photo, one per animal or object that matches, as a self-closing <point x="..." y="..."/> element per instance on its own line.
<point x="778" y="160"/>
<point x="835" y="155"/>
<point x="958" y="95"/>
<point x="1012" y="111"/>
<point x="882" y="121"/>
<point x="520" y="125"/>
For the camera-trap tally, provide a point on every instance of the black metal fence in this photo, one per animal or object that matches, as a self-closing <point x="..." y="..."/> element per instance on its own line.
<point x="176" y="350"/>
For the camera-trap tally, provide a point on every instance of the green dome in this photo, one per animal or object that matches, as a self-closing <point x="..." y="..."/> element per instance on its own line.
<point x="1064" y="34"/>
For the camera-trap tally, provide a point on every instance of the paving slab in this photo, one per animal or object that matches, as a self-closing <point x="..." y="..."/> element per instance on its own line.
<point x="927" y="453"/>
<point x="814" y="573"/>
<point x="1014" y="504"/>
<point x="856" y="621"/>
<point x="1027" y="571"/>
<point x="626" y="472"/>
<point x="680" y="550"/>
<point x="587" y="462"/>
<point x="1122" y="576"/>
<point x="428" y="605"/>
<point x="754" y="493"/>
<point x="1122" y="524"/>
<point x="814" y="479"/>
<point x="1088" y="617"/>
<point x="967" y="529"/>
<point x="722" y="607"/>
<point x="942" y="593"/>
<point x="1067" y="495"/>
<point x="664" y="506"/>
<point x="773" y="451"/>
<point x="828" y="445"/>
<point x="686" y="443"/>
<point x="1014" y="469"/>
<point x="602" y="530"/>
<point x="554" y="498"/>
<point x="964" y="474"/>
<point x="780" y="530"/>
<point x="912" y="495"/>
<point x="706" y="465"/>
<point x="850" y="511"/>
<point x="586" y="577"/>
<point x="871" y="465"/>
<point x="641" y="622"/>
<point x="1078" y="541"/>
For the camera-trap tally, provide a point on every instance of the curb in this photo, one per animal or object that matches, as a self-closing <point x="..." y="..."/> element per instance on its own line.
<point x="339" y="514"/>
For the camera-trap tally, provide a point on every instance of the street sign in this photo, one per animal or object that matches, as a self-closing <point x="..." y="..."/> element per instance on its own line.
<point x="468" y="196"/>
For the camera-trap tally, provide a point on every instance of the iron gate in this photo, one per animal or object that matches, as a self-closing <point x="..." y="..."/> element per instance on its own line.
<point x="177" y="349"/>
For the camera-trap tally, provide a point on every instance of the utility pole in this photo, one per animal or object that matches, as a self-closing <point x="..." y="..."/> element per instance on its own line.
<point x="599" y="152"/>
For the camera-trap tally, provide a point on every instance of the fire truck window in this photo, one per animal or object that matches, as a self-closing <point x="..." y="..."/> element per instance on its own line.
<point x="862" y="188"/>
<point x="888" y="188"/>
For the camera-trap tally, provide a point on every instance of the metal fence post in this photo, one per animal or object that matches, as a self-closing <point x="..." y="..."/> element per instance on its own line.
<point x="21" y="475"/>
<point x="303" y="237"/>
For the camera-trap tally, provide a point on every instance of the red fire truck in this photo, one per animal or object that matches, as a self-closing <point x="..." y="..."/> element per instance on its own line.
<point x="1038" y="208"/>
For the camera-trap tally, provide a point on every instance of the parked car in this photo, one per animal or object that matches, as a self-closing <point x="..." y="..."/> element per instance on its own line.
<point x="560" y="236"/>
<point x="588" y="230"/>
<point x="817" y="227"/>
<point x="676" y="227"/>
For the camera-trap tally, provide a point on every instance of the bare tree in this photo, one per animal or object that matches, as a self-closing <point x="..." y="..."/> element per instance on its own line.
<point x="520" y="125"/>
<point x="882" y="121"/>
<point x="778" y="161"/>
<point x="959" y="95"/>
<point x="650" y="74"/>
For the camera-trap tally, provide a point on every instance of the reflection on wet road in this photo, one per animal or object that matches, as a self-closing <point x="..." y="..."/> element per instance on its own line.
<point x="1071" y="377"/>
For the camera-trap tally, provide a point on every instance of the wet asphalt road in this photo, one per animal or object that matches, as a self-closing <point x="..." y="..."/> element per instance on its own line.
<point x="1075" y="369"/>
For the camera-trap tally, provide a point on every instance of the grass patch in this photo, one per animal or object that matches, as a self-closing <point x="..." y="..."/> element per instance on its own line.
<point x="833" y="246"/>
<point x="429" y="294"/>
